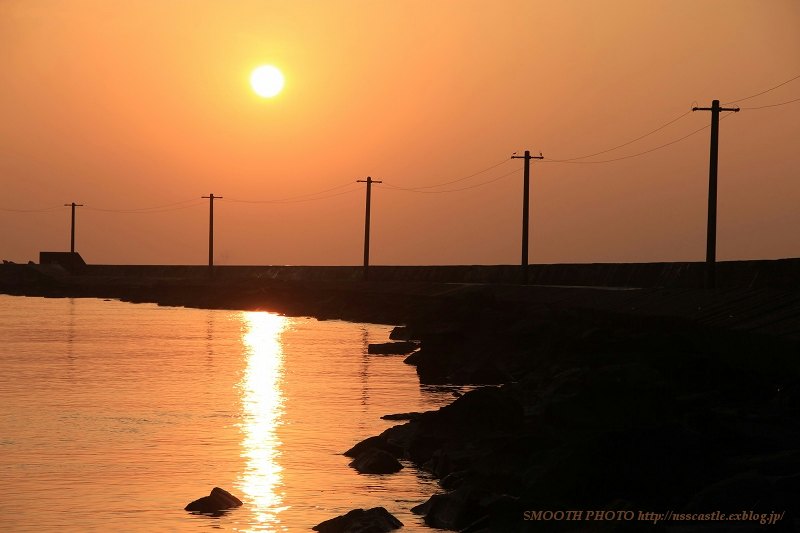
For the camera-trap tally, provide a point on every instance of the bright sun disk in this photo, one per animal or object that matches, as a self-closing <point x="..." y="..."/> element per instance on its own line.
<point x="267" y="81"/>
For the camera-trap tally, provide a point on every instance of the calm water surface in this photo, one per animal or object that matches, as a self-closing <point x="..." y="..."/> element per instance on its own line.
<point x="113" y="416"/>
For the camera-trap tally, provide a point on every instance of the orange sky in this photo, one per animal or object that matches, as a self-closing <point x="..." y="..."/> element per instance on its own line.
<point x="129" y="105"/>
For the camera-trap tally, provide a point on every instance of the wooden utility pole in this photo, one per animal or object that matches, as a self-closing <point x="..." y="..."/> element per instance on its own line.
<point x="72" y="226"/>
<point x="711" y="231"/>
<point x="369" y="181"/>
<point x="211" y="199"/>
<point x="526" y="208"/>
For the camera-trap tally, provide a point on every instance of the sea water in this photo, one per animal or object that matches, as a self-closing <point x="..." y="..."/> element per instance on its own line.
<point x="113" y="416"/>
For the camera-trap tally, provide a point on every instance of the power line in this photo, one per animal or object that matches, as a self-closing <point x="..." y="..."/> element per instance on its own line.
<point x="418" y="190"/>
<point x="150" y="210"/>
<point x="9" y="210"/>
<point x="503" y="162"/>
<point x="629" y="142"/>
<point x="299" y="197"/>
<point x="695" y="132"/>
<point x="773" y="105"/>
<point x="350" y="191"/>
<point x="762" y="92"/>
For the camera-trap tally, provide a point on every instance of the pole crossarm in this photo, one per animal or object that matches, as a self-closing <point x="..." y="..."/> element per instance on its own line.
<point x="734" y="109"/>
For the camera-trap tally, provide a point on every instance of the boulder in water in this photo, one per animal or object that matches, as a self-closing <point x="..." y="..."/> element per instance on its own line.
<point x="218" y="500"/>
<point x="374" y="461"/>
<point x="375" y="520"/>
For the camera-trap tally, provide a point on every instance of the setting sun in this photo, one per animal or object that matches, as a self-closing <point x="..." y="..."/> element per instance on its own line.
<point x="267" y="81"/>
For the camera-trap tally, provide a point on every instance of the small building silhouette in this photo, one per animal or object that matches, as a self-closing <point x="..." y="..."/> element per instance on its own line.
<point x="70" y="261"/>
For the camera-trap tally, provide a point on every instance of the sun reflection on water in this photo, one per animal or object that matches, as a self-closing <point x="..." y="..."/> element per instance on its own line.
<point x="262" y="405"/>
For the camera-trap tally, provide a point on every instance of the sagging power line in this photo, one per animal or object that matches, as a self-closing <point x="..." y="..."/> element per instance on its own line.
<point x="575" y="159"/>
<point x="762" y="92"/>
<point x="307" y="197"/>
<point x="771" y="105"/>
<point x="481" y="184"/>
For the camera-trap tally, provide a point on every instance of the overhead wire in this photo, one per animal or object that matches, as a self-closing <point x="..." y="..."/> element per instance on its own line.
<point x="676" y="119"/>
<point x="771" y="105"/>
<point x="546" y="160"/>
<point x="153" y="209"/>
<point x="503" y="162"/>
<point x="762" y="92"/>
<point x="310" y="197"/>
<point x="290" y="199"/>
<point x="354" y="189"/>
<point x="420" y="190"/>
<point x="10" y="210"/>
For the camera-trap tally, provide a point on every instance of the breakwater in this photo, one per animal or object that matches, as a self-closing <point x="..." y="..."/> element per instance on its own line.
<point x="750" y="274"/>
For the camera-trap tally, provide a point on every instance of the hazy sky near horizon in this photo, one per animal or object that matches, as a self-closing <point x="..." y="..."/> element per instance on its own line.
<point x="125" y="106"/>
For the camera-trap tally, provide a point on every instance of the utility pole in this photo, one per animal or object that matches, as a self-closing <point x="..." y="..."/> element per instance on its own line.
<point x="369" y="181"/>
<point x="211" y="199"/>
<point x="526" y="207"/>
<point x="711" y="232"/>
<point x="72" y="227"/>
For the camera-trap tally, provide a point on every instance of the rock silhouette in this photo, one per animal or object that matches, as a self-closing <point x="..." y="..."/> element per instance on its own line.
<point x="375" y="520"/>
<point x="218" y="500"/>
<point x="375" y="461"/>
<point x="392" y="348"/>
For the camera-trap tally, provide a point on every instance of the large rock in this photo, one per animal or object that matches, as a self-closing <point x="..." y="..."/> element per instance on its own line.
<point x="375" y="520"/>
<point x="392" y="348"/>
<point x="218" y="500"/>
<point x="459" y="508"/>
<point x="374" y="461"/>
<point x="378" y="442"/>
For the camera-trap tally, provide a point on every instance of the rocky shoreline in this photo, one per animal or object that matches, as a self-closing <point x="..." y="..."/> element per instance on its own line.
<point x="610" y="416"/>
<point x="622" y="402"/>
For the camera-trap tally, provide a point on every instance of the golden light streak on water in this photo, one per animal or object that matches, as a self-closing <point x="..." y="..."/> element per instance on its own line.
<point x="262" y="406"/>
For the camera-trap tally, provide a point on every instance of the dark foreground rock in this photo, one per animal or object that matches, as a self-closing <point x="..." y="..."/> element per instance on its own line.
<point x="375" y="520"/>
<point x="402" y="416"/>
<point x="604" y="413"/>
<point x="218" y="500"/>
<point x="392" y="348"/>
<point x="375" y="461"/>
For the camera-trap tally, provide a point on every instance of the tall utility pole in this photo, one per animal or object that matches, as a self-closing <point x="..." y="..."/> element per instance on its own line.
<point x="526" y="208"/>
<point x="211" y="199"/>
<point x="72" y="227"/>
<point x="711" y="232"/>
<point x="369" y="181"/>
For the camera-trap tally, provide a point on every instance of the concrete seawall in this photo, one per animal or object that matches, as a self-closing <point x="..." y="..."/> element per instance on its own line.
<point x="740" y="274"/>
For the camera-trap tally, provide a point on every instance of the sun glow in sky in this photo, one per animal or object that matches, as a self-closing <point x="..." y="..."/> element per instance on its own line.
<point x="267" y="81"/>
<point x="136" y="110"/>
